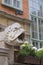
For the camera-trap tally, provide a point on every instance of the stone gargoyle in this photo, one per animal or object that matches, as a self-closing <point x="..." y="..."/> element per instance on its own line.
<point x="13" y="34"/>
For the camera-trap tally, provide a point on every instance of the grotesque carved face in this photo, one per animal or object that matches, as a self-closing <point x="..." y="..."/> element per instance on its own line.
<point x="12" y="27"/>
<point x="13" y="31"/>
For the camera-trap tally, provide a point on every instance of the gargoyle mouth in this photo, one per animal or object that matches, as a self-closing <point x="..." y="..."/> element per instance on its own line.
<point x="21" y="37"/>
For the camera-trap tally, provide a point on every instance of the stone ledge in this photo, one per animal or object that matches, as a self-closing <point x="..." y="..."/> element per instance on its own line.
<point x="4" y="51"/>
<point x="14" y="17"/>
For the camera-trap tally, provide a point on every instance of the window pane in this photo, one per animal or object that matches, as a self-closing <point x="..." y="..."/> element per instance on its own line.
<point x="34" y="35"/>
<point x="18" y="4"/>
<point x="41" y="36"/>
<point x="34" y="19"/>
<point x="14" y="3"/>
<point x="41" y="45"/>
<point x="35" y="43"/>
<point x="34" y="28"/>
<point x="36" y="7"/>
<point x="7" y="1"/>
<point x="41" y="23"/>
<point x="41" y="30"/>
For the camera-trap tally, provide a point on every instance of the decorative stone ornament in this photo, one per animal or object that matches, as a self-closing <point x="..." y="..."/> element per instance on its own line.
<point x="11" y="33"/>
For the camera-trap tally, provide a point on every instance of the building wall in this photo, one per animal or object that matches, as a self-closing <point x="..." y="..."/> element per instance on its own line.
<point x="12" y="11"/>
<point x="6" y="22"/>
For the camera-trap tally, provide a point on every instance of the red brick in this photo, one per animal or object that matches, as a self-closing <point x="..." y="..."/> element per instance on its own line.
<point x="12" y="11"/>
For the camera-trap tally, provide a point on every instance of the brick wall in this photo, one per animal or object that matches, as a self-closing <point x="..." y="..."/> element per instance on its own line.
<point x="12" y="11"/>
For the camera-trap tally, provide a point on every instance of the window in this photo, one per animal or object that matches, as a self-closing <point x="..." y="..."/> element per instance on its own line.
<point x="7" y="1"/>
<point x="34" y="35"/>
<point x="35" y="7"/>
<point x="41" y="45"/>
<point x="34" y="28"/>
<point x="17" y="4"/>
<point x="37" y="31"/>
<point x="35" y="43"/>
<point x="41" y="29"/>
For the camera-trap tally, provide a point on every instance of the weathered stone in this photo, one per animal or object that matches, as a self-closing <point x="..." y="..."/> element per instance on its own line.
<point x="3" y="56"/>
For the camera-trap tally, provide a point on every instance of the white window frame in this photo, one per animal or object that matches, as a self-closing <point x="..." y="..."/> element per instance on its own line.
<point x="5" y="3"/>
<point x="11" y="5"/>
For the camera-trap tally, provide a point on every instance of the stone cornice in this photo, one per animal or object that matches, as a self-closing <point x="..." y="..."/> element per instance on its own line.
<point x="14" y="17"/>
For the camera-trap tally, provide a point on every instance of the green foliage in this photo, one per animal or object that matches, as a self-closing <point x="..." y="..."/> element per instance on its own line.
<point x="39" y="53"/>
<point x="32" y="52"/>
<point x="27" y="50"/>
<point x="26" y="45"/>
<point x="24" y="51"/>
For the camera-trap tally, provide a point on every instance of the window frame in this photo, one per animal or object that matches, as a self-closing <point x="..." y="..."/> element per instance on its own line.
<point x="5" y="3"/>
<point x="11" y="5"/>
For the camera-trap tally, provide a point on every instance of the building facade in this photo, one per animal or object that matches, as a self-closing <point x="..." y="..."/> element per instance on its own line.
<point x="13" y="11"/>
<point x="36" y="15"/>
<point x="22" y="12"/>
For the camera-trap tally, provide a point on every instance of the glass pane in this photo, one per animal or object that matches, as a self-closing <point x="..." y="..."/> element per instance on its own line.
<point x="34" y="28"/>
<point x="35" y="43"/>
<point x="32" y="18"/>
<point x="34" y="12"/>
<point x="41" y="30"/>
<point x="7" y="1"/>
<point x="34" y="35"/>
<point x="41" y="45"/>
<point x="41" y="23"/>
<point x="18" y="4"/>
<point x="34" y="21"/>
<point x="41" y="36"/>
<point x="36" y="7"/>
<point x="34" y="25"/>
<point x="14" y="3"/>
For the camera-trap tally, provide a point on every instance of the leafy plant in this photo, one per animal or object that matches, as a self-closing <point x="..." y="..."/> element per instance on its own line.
<point x="26" y="44"/>
<point x="40" y="53"/>
<point x="26" y="49"/>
